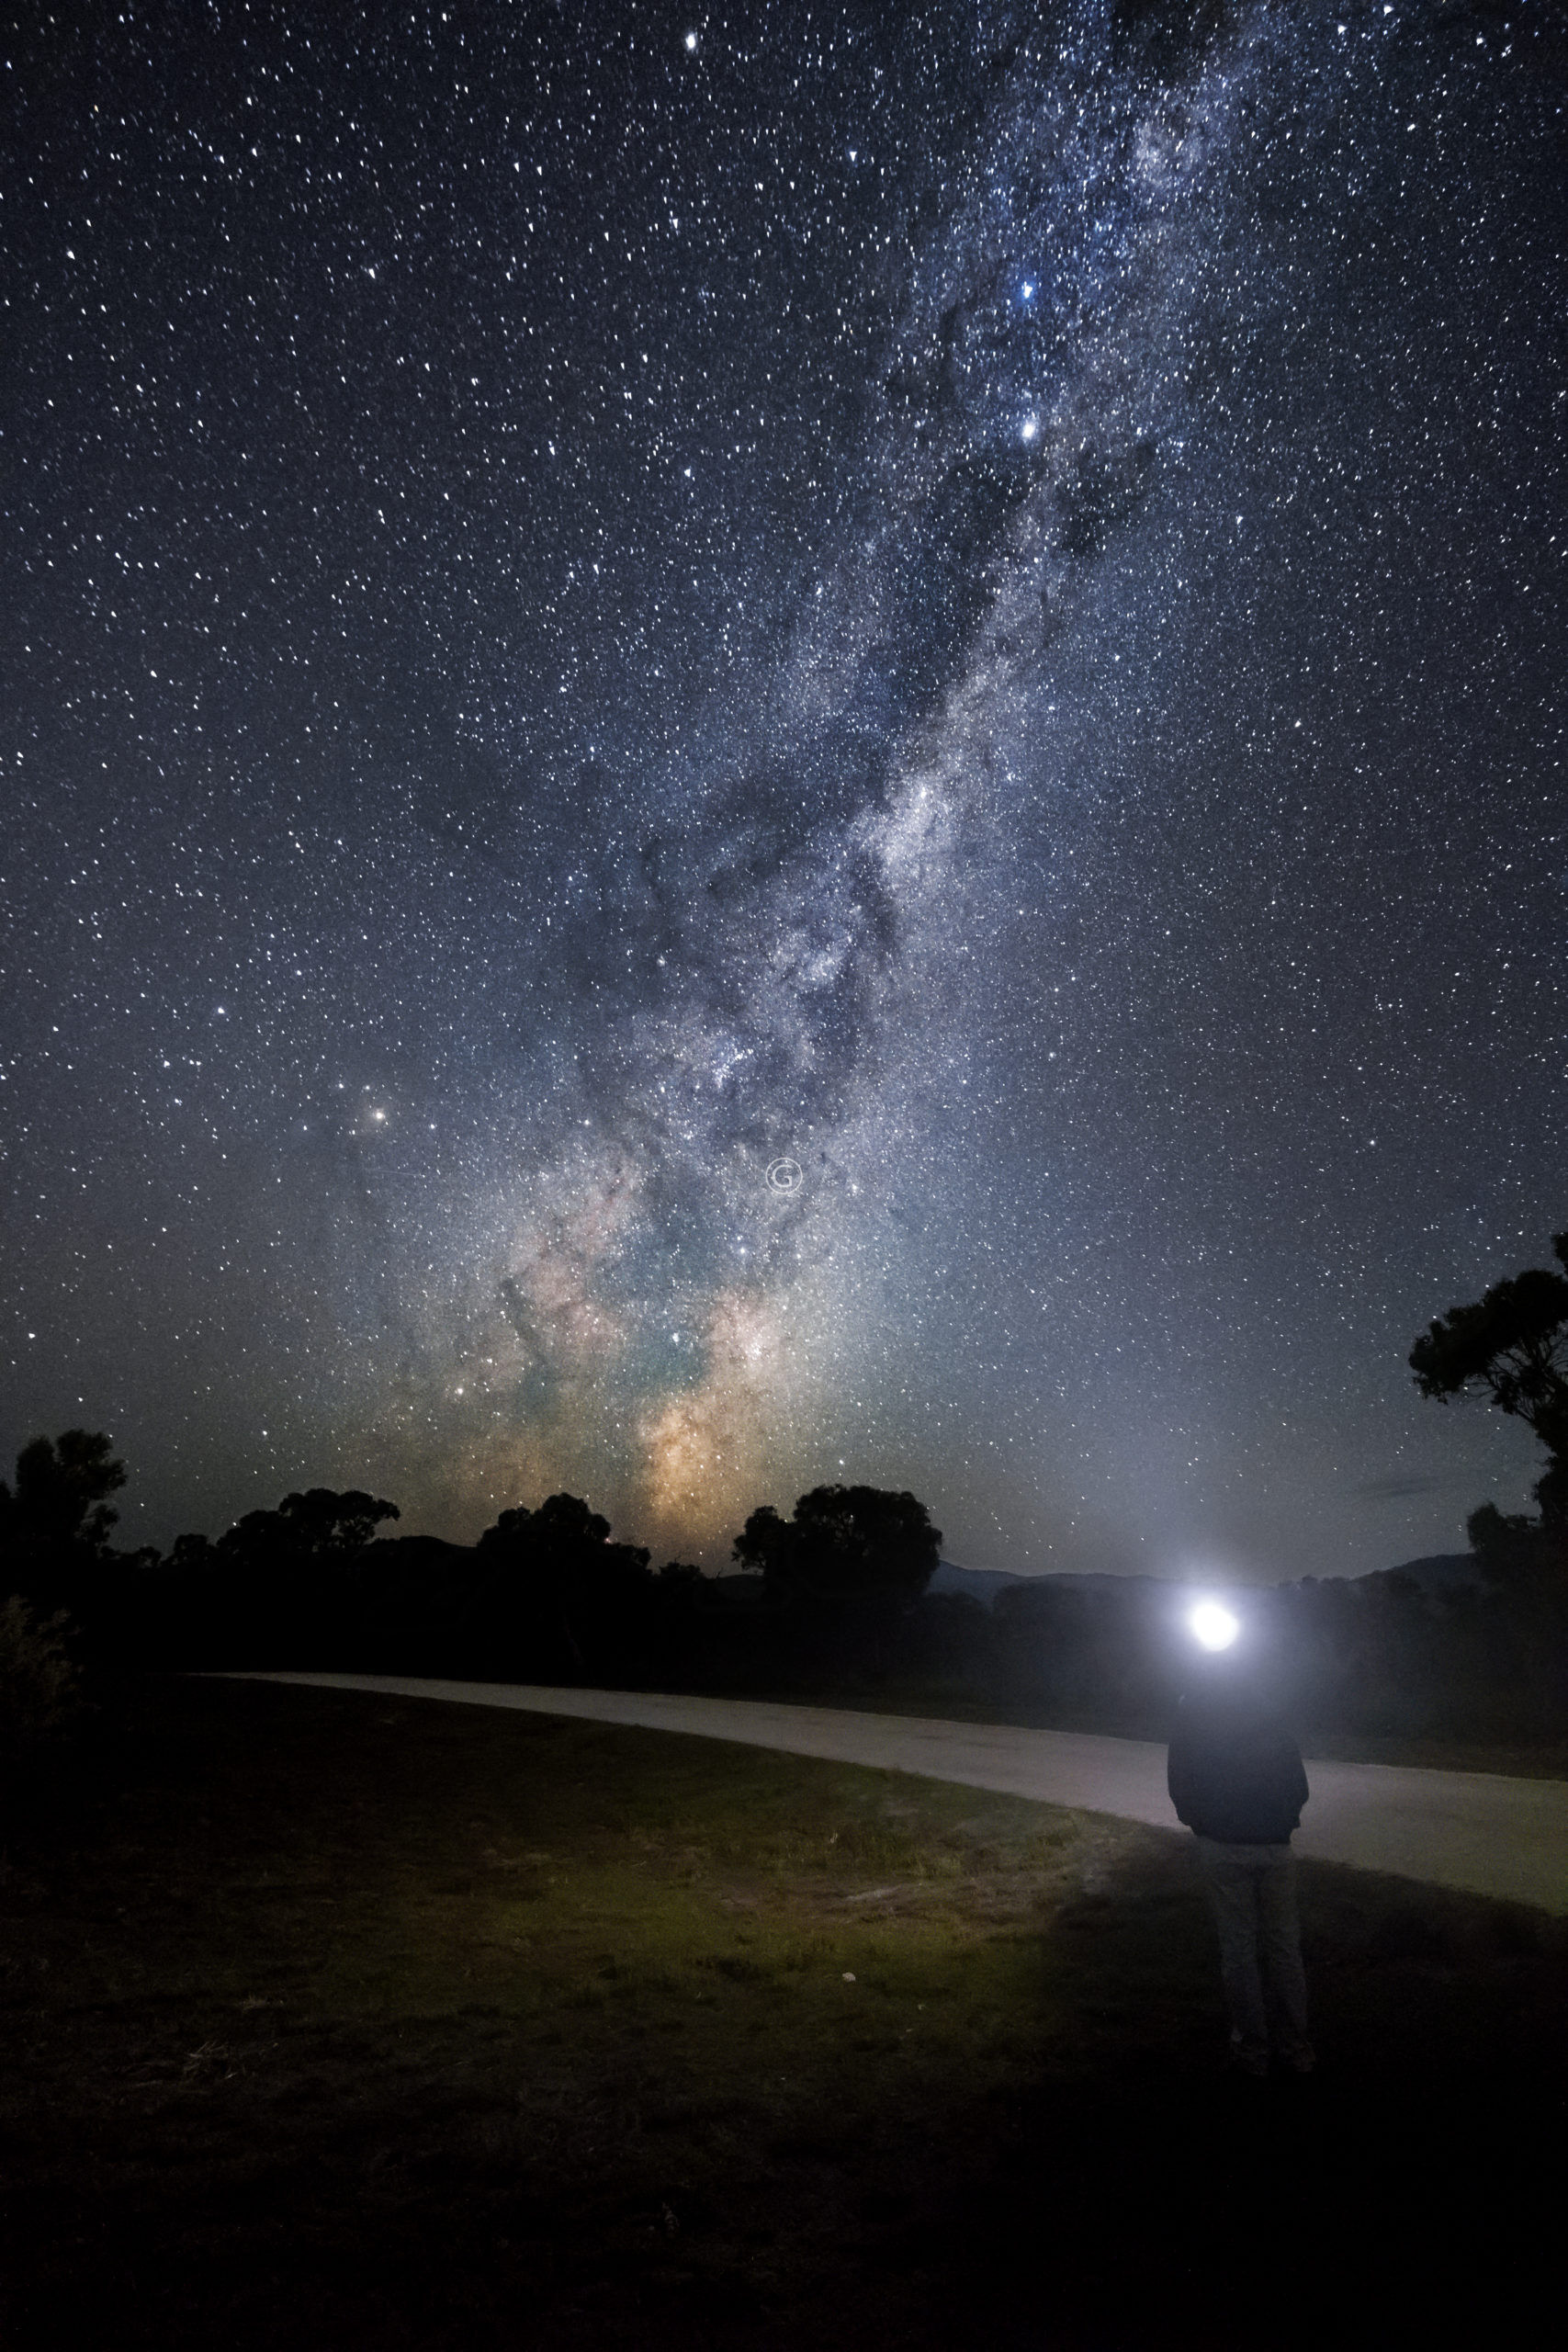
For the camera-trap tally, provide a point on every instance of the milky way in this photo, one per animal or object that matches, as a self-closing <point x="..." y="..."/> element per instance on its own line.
<point x="745" y="751"/>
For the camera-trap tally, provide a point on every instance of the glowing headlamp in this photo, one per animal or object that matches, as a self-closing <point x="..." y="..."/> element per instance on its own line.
<point x="1213" y="1625"/>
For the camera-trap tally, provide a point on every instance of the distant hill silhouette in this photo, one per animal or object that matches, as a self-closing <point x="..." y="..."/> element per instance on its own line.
<point x="980" y="1584"/>
<point x="424" y="1560"/>
<point x="1440" y="1571"/>
<point x="1435" y="1572"/>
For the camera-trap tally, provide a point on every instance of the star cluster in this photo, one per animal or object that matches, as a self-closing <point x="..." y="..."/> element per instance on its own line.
<point x="967" y="605"/>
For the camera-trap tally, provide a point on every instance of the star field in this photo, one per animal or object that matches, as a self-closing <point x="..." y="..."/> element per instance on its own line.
<point x="599" y="601"/>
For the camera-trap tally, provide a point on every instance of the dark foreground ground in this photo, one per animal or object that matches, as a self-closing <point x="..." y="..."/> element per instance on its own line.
<point x="334" y="2021"/>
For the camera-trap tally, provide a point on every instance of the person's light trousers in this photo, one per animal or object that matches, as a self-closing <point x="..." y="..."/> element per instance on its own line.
<point x="1254" y="1892"/>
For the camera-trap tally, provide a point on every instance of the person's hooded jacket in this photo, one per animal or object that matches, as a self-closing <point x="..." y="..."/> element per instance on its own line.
<point x="1233" y="1772"/>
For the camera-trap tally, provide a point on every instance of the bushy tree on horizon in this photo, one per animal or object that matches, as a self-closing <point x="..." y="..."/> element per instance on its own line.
<point x="316" y="1525"/>
<point x="58" y="1510"/>
<point x="276" y="1588"/>
<point x="843" y="1544"/>
<point x="55" y="1524"/>
<point x="555" y="1589"/>
<point x="1511" y="1346"/>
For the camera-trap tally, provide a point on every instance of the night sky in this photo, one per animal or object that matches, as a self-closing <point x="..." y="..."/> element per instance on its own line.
<point x="810" y="744"/>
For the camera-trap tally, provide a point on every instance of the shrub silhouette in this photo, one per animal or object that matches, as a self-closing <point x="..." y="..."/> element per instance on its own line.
<point x="40" y="1693"/>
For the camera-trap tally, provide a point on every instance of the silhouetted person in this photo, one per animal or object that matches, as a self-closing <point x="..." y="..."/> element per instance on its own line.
<point x="1236" y="1780"/>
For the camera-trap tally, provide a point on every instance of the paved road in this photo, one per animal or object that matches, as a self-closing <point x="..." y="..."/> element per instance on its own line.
<point x="1476" y="1830"/>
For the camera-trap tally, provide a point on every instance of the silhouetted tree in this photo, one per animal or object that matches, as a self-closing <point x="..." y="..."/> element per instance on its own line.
<point x="276" y="1588"/>
<point x="54" y="1529"/>
<point x="1510" y="1546"/>
<point x="318" y="1525"/>
<point x="849" y="1562"/>
<point x="557" y="1595"/>
<point x="842" y="1543"/>
<point x="192" y="1554"/>
<point x="59" y="1504"/>
<point x="1511" y="1345"/>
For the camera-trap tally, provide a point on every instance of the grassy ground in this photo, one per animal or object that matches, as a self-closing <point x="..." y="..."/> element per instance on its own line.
<point x="335" y="2021"/>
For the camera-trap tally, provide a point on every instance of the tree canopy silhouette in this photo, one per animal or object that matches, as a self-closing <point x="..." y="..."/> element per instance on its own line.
<point x="318" y="1526"/>
<point x="62" y="1489"/>
<point x="555" y="1585"/>
<point x="843" y="1544"/>
<point x="55" y="1521"/>
<point x="1511" y="1345"/>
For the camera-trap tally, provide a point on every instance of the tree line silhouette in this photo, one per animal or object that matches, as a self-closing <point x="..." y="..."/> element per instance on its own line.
<point x="834" y="1598"/>
<point x="544" y="1594"/>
